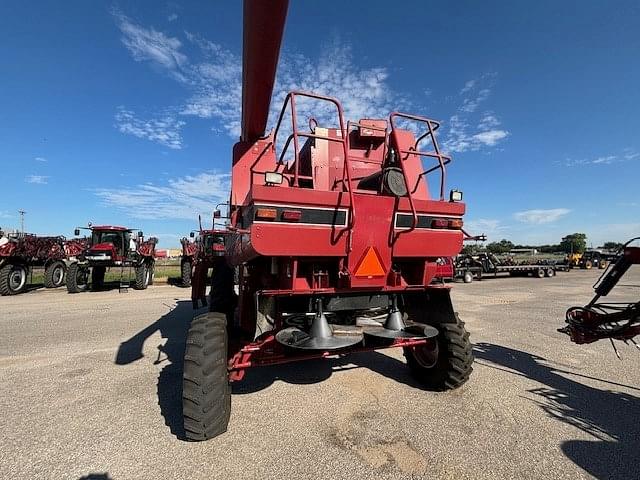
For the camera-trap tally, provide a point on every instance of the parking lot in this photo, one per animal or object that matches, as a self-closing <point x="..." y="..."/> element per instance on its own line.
<point x="91" y="385"/>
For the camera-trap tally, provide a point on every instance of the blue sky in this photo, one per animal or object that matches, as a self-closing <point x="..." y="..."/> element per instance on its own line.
<point x="126" y="112"/>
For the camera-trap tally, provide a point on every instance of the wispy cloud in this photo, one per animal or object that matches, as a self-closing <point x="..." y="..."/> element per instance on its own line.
<point x="40" y="159"/>
<point x="626" y="155"/>
<point x="5" y="214"/>
<point x="179" y="198"/>
<point x="165" y="130"/>
<point x="540" y="216"/>
<point x="467" y="129"/>
<point x="37" y="179"/>
<point x="172" y="17"/>
<point x="492" y="228"/>
<point x="150" y="45"/>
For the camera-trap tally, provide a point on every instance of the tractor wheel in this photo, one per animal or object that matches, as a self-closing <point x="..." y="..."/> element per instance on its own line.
<point x="588" y="264"/>
<point x="97" y="278"/>
<point x="54" y="274"/>
<point x="77" y="278"/>
<point x="447" y="363"/>
<point x="13" y="279"/>
<point x="206" y="393"/>
<point x="540" y="273"/>
<point x="152" y="272"/>
<point x="185" y="270"/>
<point x="602" y="265"/>
<point x="468" y="277"/>
<point x="143" y="276"/>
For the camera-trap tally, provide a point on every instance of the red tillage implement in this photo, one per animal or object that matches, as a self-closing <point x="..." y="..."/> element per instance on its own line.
<point x="330" y="251"/>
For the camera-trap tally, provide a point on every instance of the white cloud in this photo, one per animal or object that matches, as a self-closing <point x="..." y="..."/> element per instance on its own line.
<point x="5" y="214"/>
<point x="164" y="130"/>
<point x="539" y="216"/>
<point x="40" y="159"/>
<point x="179" y="198"/>
<point x="627" y="154"/>
<point x="490" y="137"/>
<point x="492" y="228"/>
<point x="462" y="136"/>
<point x="147" y="44"/>
<point x="172" y="18"/>
<point x="37" y="179"/>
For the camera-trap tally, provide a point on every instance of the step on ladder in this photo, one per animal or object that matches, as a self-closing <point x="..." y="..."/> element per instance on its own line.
<point x="124" y="285"/>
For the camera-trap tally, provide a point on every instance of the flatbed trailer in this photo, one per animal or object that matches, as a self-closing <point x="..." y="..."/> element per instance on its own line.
<point x="470" y="267"/>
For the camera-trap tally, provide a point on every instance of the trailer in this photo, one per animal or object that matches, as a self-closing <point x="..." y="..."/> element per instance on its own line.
<point x="469" y="267"/>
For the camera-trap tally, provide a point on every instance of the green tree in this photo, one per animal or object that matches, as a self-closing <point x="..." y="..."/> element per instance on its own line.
<point x="503" y="246"/>
<point x="574" y="243"/>
<point x="612" y="245"/>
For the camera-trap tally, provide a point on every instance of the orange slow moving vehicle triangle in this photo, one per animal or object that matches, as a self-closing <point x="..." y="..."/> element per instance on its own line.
<point x="370" y="265"/>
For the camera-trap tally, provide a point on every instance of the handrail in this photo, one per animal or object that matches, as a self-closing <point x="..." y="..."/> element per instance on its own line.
<point x="290" y="98"/>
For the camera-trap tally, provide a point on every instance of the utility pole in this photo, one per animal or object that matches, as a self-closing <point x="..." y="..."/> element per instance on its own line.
<point x="22" y="212"/>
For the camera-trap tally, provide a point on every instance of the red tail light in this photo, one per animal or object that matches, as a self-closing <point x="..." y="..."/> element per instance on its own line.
<point x="457" y="223"/>
<point x="291" y="215"/>
<point x="439" y="223"/>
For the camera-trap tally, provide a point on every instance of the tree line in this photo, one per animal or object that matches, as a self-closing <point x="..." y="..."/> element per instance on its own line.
<point x="573" y="243"/>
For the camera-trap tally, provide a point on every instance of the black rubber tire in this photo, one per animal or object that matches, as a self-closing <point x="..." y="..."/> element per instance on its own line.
<point x="143" y="277"/>
<point x="467" y="277"/>
<point x="152" y="272"/>
<point x="97" y="277"/>
<point x="185" y="273"/>
<point x="550" y="272"/>
<point x="206" y="392"/>
<point x="602" y="264"/>
<point x="72" y="279"/>
<point x="540" y="273"/>
<point x="454" y="361"/>
<point x="588" y="265"/>
<point x="5" y="279"/>
<point x="54" y="274"/>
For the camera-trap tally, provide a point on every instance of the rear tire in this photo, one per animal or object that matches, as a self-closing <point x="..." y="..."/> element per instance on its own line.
<point x="540" y="273"/>
<point x="206" y="393"/>
<point x="13" y="279"/>
<point x="143" y="276"/>
<point x="54" y="274"/>
<point x="77" y="278"/>
<point x="448" y="364"/>
<point x="468" y="277"/>
<point x="185" y="272"/>
<point x="588" y="265"/>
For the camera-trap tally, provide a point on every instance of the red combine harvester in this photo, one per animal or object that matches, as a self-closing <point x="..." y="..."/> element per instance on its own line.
<point x="330" y="253"/>
<point x="607" y="320"/>
<point x="198" y="257"/>
<point x="108" y="247"/>
<point x="20" y="252"/>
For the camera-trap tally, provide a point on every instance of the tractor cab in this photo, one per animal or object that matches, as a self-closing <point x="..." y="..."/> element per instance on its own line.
<point x="213" y="242"/>
<point x="109" y="243"/>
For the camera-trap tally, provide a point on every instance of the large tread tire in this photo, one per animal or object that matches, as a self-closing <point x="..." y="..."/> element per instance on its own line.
<point x="143" y="277"/>
<point x="206" y="392"/>
<point x="54" y="274"/>
<point x="5" y="279"/>
<point x="97" y="278"/>
<point x="185" y="273"/>
<point x="454" y="362"/>
<point x="73" y="286"/>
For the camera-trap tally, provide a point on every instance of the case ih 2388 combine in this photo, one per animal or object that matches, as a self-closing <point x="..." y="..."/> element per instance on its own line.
<point x="333" y="252"/>
<point x="111" y="246"/>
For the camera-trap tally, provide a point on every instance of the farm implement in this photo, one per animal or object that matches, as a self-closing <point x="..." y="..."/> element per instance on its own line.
<point x="332" y="242"/>
<point x="110" y="247"/>
<point x="20" y="252"/>
<point x="607" y="320"/>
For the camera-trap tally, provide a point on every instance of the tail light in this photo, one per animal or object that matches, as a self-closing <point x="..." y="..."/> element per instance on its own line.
<point x="266" y="214"/>
<point x="439" y="223"/>
<point x="456" y="223"/>
<point x="291" y="215"/>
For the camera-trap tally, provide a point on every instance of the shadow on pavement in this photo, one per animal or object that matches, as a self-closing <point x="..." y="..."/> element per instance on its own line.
<point x="610" y="417"/>
<point x="95" y="476"/>
<point x="174" y="326"/>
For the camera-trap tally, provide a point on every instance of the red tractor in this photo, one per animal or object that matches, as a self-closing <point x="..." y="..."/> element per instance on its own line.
<point x="108" y="247"/>
<point x="330" y="252"/>
<point x="20" y="252"/>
